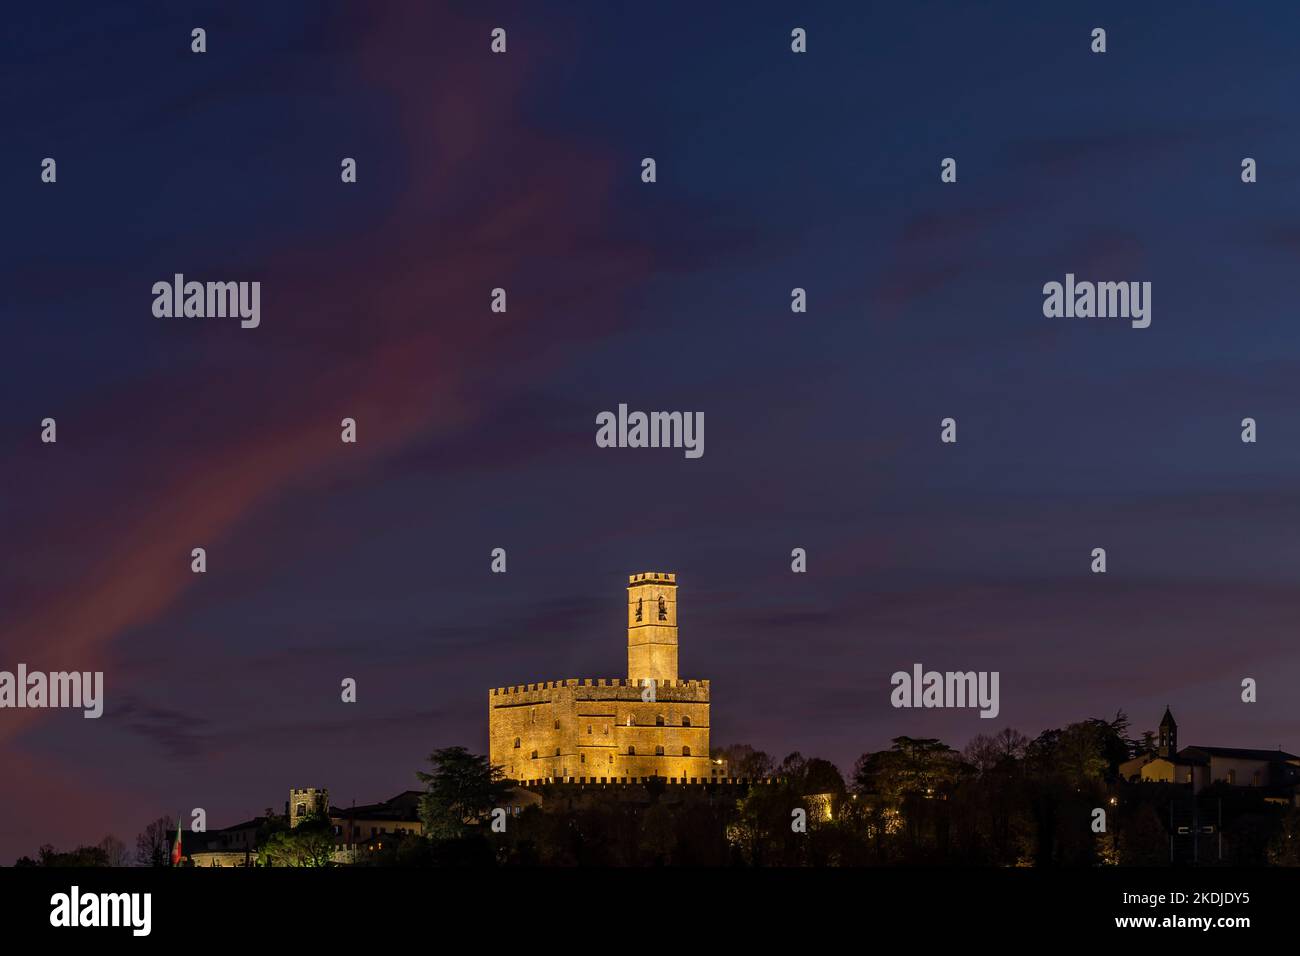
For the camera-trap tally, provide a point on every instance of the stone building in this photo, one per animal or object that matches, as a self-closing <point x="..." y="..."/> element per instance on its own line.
<point x="651" y="724"/>
<point x="1275" y="773"/>
<point x="306" y="802"/>
<point x="230" y="846"/>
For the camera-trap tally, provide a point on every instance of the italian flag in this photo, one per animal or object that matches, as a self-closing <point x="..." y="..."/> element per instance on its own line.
<point x="176" y="847"/>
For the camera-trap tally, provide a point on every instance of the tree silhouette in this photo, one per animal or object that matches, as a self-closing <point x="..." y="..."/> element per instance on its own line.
<point x="462" y="789"/>
<point x="153" y="846"/>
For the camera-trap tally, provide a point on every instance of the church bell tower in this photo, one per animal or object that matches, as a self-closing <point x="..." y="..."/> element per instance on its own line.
<point x="652" y="626"/>
<point x="1168" y="735"/>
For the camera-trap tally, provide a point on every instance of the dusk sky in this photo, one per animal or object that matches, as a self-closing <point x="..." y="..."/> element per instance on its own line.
<point x="476" y="430"/>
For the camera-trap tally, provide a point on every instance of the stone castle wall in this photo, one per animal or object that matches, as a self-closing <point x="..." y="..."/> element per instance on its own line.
<point x="604" y="727"/>
<point x="600" y="728"/>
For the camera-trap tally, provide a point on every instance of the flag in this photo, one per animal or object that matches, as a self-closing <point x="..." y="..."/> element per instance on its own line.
<point x="176" y="848"/>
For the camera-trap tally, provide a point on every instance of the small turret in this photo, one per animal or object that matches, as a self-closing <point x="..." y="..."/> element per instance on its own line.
<point x="305" y="802"/>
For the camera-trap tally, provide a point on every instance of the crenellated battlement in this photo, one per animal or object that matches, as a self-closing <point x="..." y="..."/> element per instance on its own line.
<point x="594" y="683"/>
<point x="649" y="723"/>
<point x="652" y="577"/>
<point x="629" y="782"/>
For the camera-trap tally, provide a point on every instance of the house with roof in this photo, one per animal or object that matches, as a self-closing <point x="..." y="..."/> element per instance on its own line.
<point x="231" y="846"/>
<point x="1276" y="773"/>
<point x="367" y="825"/>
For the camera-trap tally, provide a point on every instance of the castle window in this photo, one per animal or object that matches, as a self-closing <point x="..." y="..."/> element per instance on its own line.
<point x="302" y="809"/>
<point x="557" y="751"/>
<point x="589" y="728"/>
<point x="686" y="721"/>
<point x="659" y="720"/>
<point x="557" y="724"/>
<point x="516" y="743"/>
<point x="629" y="720"/>
<point x="631" y="751"/>
<point x="534" y="754"/>
<point x="663" y="610"/>
<point x="582" y="758"/>
<point x="659" y="751"/>
<point x="686" y="751"/>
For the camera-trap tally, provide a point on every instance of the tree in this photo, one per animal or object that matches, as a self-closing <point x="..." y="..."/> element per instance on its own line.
<point x="988" y="753"/>
<point x="81" y="856"/>
<point x="922" y="766"/>
<point x="1082" y="753"/>
<point x="744" y="761"/>
<point x="310" y="843"/>
<point x="792" y="767"/>
<point x="153" y="846"/>
<point x="462" y="789"/>
<point x="761" y="833"/>
<point x="1284" y="848"/>
<point x="114" y="851"/>
<point x="658" y="834"/>
<point x="822" y="776"/>
<point x="1141" y="838"/>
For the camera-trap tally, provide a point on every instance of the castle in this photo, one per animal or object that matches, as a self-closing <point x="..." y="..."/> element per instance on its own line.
<point x="611" y="730"/>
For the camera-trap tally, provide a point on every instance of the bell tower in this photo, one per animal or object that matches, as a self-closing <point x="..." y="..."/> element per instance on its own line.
<point x="652" y="626"/>
<point x="1168" y="735"/>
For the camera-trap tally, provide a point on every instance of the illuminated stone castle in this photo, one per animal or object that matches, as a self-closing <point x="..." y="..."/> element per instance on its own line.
<point x="609" y="729"/>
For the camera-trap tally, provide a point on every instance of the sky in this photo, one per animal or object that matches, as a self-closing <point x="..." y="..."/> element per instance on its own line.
<point x="476" y="429"/>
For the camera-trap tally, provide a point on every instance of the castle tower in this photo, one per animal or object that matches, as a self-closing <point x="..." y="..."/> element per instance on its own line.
<point x="603" y="730"/>
<point x="304" y="802"/>
<point x="652" y="626"/>
<point x="1168" y="735"/>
